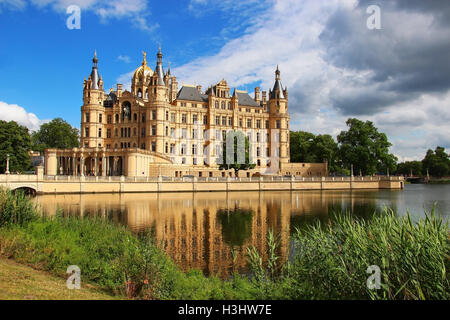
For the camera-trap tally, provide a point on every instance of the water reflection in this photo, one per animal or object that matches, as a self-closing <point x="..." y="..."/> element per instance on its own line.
<point x="205" y="230"/>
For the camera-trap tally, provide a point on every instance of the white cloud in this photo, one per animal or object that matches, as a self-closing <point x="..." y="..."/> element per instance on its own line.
<point x="136" y="11"/>
<point x="123" y="58"/>
<point x="13" y="112"/>
<point x="289" y="34"/>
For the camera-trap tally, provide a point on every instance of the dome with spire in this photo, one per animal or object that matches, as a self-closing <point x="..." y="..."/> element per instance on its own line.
<point x="143" y="71"/>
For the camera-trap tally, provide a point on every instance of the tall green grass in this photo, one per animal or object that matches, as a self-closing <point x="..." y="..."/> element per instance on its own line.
<point x="329" y="261"/>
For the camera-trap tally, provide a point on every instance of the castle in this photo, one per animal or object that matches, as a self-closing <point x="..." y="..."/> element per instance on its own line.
<point x="157" y="129"/>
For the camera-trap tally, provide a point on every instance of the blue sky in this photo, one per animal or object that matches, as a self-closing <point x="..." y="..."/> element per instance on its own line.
<point x="333" y="65"/>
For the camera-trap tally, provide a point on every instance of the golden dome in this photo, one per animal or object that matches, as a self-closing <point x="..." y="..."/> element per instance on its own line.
<point x="143" y="71"/>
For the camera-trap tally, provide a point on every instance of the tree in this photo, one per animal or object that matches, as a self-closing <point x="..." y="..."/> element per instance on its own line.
<point x="15" y="140"/>
<point x="410" y="167"/>
<point x="239" y="158"/>
<point x="437" y="162"/>
<point x="307" y="147"/>
<point x="365" y="148"/>
<point x="55" y="134"/>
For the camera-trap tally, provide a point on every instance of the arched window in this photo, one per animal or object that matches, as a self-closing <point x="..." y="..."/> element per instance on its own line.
<point x="146" y="94"/>
<point x="217" y="104"/>
<point x="126" y="110"/>
<point x="135" y="117"/>
<point x="140" y="93"/>
<point x="223" y="104"/>
<point x="117" y="118"/>
<point x="229" y="105"/>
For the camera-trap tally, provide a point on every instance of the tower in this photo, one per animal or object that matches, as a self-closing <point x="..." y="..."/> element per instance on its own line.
<point x="92" y="111"/>
<point x="279" y="119"/>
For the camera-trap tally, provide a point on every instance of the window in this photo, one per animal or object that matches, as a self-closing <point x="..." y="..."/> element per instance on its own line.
<point x="183" y="118"/>
<point x="109" y="119"/>
<point x="167" y="147"/>
<point x="223" y="104"/>
<point x="258" y="124"/>
<point x="184" y="133"/>
<point x="172" y="117"/>
<point x="172" y="148"/>
<point x="153" y="146"/>
<point x="194" y="161"/>
<point x="217" y="104"/>
<point x="88" y="117"/>
<point x="143" y="118"/>
<point x="205" y="120"/>
<point x="117" y="118"/>
<point x="135" y="117"/>
<point x="240" y="122"/>
<point x="217" y="120"/>
<point x="108" y="133"/>
<point x="153" y="114"/>
<point x="100" y="118"/>
<point x="100" y="132"/>
<point x="183" y="149"/>
<point x="167" y="115"/>
<point x="116" y="132"/>
<point x="194" y="105"/>
<point x="194" y="118"/>
<point x="86" y="132"/>
<point x="224" y="135"/>
<point x="194" y="149"/>
<point x="258" y="137"/>
<point x="249" y="123"/>
<point x="230" y="121"/>
<point x="217" y="134"/>
<point x="143" y="133"/>
<point x="224" y="121"/>
<point x="167" y="131"/>
<point x="194" y="133"/>
<point x="267" y="124"/>
<point x="229" y="105"/>
<point x="153" y="130"/>
<point x="172" y="133"/>
<point x="258" y="151"/>
<point x="278" y="124"/>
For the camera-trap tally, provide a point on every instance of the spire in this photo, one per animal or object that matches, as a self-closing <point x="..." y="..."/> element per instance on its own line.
<point x="159" y="69"/>
<point x="144" y="60"/>
<point x="94" y="73"/>
<point x="277" y="90"/>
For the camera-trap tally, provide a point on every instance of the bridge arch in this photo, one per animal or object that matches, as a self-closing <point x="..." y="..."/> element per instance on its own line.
<point x="27" y="189"/>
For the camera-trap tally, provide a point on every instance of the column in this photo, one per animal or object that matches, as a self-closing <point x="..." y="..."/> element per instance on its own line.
<point x="103" y="165"/>
<point x="95" y="164"/>
<point x="82" y="165"/>
<point x="74" y="164"/>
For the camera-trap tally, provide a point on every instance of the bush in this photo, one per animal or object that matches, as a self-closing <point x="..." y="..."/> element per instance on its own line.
<point x="16" y="208"/>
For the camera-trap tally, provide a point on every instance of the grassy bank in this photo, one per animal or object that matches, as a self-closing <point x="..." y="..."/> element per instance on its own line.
<point x="20" y="282"/>
<point x="329" y="262"/>
<point x="439" y="181"/>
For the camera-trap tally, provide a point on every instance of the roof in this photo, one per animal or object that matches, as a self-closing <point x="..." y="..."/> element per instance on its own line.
<point x="246" y="100"/>
<point x="191" y="94"/>
<point x="277" y="87"/>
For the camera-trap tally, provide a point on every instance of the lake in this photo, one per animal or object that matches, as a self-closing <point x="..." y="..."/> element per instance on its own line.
<point x="212" y="231"/>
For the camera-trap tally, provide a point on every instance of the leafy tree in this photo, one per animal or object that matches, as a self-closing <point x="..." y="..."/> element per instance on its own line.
<point x="15" y="140"/>
<point x="301" y="143"/>
<point x="365" y="148"/>
<point x="307" y="147"/>
<point x="437" y="162"/>
<point x="408" y="167"/>
<point x="55" y="134"/>
<point x="240" y="150"/>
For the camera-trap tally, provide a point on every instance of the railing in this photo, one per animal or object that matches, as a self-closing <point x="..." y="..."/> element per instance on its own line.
<point x="33" y="178"/>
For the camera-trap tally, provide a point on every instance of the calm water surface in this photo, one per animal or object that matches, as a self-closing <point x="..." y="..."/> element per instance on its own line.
<point x="204" y="230"/>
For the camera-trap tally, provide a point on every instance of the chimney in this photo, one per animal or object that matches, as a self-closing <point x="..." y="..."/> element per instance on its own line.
<point x="199" y="88"/>
<point x="119" y="90"/>
<point x="264" y="93"/>
<point x="257" y="99"/>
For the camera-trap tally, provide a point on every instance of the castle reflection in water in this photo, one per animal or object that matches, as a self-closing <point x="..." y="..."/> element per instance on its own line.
<point x="205" y="230"/>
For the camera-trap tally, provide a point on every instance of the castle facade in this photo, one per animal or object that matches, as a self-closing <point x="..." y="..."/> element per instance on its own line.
<point x="159" y="129"/>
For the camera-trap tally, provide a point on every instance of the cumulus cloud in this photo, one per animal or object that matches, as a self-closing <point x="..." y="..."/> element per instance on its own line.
<point x="124" y="58"/>
<point x="336" y="68"/>
<point x="13" y="112"/>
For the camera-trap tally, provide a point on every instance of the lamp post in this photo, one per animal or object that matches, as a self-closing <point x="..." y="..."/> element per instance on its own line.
<point x="7" y="164"/>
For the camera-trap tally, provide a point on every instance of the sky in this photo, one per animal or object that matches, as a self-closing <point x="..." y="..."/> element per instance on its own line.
<point x="334" y="66"/>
